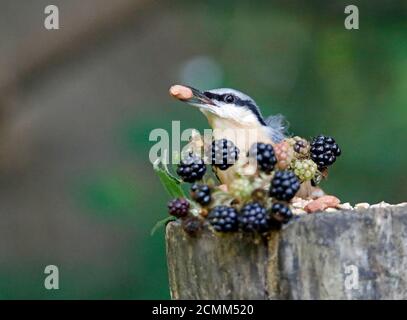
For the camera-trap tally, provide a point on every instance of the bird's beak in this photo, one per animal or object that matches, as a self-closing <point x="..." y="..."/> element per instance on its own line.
<point x="191" y="96"/>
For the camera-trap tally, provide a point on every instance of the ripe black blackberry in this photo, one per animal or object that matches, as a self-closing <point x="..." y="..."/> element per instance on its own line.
<point x="254" y="218"/>
<point x="201" y="193"/>
<point x="223" y="219"/>
<point x="324" y="151"/>
<point x="178" y="207"/>
<point x="192" y="226"/>
<point x="191" y="169"/>
<point x="281" y="213"/>
<point x="264" y="154"/>
<point x="224" y="154"/>
<point x="284" y="185"/>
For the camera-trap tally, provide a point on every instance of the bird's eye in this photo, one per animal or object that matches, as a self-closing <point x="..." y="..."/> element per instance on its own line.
<point x="228" y="98"/>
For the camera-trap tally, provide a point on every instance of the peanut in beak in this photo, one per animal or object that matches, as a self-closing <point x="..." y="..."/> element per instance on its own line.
<point x="181" y="92"/>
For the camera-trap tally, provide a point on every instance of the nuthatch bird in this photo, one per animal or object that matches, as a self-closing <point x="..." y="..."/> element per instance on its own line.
<point x="234" y="116"/>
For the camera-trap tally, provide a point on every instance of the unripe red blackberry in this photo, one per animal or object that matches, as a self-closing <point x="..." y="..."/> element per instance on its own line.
<point x="284" y="153"/>
<point x="223" y="219"/>
<point x="284" y="185"/>
<point x="281" y="212"/>
<point x="191" y="169"/>
<point x="265" y="157"/>
<point x="224" y="154"/>
<point x="178" y="207"/>
<point x="254" y="218"/>
<point x="324" y="151"/>
<point x="201" y="193"/>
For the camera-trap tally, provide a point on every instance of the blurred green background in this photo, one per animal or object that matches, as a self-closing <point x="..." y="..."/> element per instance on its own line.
<point x="78" y="104"/>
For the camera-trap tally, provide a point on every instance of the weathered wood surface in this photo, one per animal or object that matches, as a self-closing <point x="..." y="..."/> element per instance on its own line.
<point x="311" y="258"/>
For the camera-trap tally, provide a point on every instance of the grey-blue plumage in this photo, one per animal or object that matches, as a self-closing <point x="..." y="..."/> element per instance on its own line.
<point x="276" y="125"/>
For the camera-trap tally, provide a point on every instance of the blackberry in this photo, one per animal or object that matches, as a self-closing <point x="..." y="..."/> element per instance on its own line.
<point x="178" y="207"/>
<point x="224" y="154"/>
<point x="264" y="154"/>
<point x="284" y="185"/>
<point x="223" y="219"/>
<point x="254" y="218"/>
<point x="191" y="169"/>
<point x="241" y="188"/>
<point x="192" y="226"/>
<point x="284" y="153"/>
<point x="301" y="146"/>
<point x="305" y="169"/>
<point x="201" y="193"/>
<point x="324" y="151"/>
<point x="281" y="212"/>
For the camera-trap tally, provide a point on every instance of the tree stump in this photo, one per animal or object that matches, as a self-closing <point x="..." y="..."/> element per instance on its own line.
<point x="339" y="255"/>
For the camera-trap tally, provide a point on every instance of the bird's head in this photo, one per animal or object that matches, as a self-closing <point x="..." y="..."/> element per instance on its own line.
<point x="222" y="105"/>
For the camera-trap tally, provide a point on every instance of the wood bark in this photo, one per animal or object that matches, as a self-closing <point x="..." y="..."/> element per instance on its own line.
<point x="340" y="255"/>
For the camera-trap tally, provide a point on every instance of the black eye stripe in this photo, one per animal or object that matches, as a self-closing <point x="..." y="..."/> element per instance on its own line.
<point x="242" y="103"/>
<point x="239" y="102"/>
<point x="256" y="112"/>
<point x="221" y="97"/>
<point x="214" y="96"/>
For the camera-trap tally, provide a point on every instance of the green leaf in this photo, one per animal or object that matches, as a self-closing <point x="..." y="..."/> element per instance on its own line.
<point x="161" y="224"/>
<point x="171" y="184"/>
